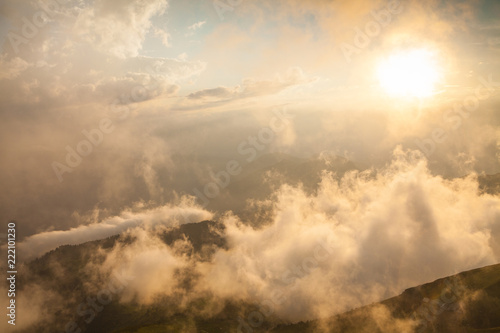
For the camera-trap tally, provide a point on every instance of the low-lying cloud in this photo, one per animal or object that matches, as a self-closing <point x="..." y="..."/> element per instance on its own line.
<point x="354" y="241"/>
<point x="167" y="215"/>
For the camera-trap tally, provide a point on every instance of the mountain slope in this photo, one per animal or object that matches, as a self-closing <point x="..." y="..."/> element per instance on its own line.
<point x="466" y="302"/>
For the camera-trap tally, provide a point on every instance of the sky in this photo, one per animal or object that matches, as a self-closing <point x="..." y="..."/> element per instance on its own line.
<point x="118" y="114"/>
<point x="131" y="85"/>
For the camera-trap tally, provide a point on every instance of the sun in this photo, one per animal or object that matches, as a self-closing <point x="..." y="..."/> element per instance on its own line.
<point x="411" y="73"/>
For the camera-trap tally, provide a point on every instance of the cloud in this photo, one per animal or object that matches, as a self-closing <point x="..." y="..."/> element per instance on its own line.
<point x="31" y="306"/>
<point x="196" y="25"/>
<point x="253" y="88"/>
<point x="387" y="323"/>
<point x="215" y="93"/>
<point x="153" y="265"/>
<point x="12" y="68"/>
<point x="164" y="36"/>
<point x="118" y="27"/>
<point x="135" y="79"/>
<point x="362" y="239"/>
<point x="167" y="215"/>
<point x="172" y="70"/>
<point x="145" y="78"/>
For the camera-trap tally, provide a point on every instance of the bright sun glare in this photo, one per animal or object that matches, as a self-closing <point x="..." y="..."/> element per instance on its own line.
<point x="411" y="73"/>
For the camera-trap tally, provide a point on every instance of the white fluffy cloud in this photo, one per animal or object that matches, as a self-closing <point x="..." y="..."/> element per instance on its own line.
<point x="151" y="264"/>
<point x="363" y="239"/>
<point x="118" y="27"/>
